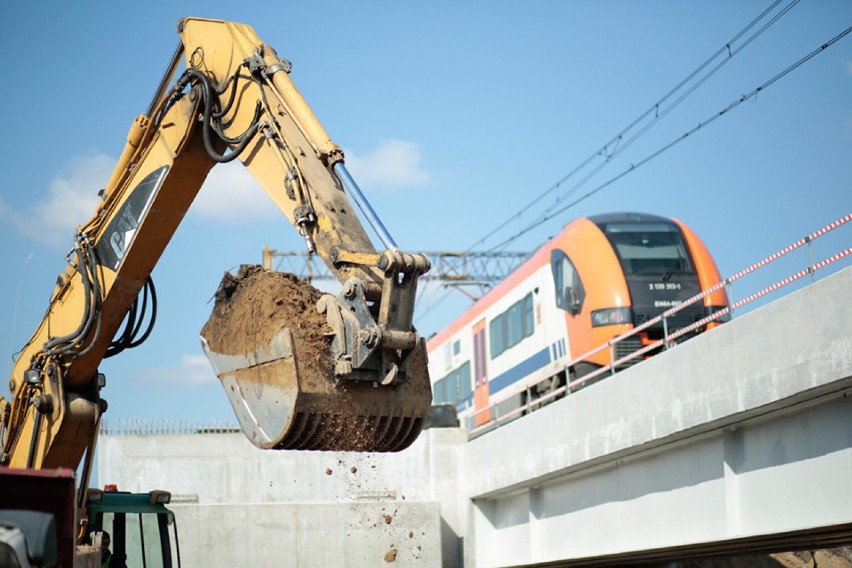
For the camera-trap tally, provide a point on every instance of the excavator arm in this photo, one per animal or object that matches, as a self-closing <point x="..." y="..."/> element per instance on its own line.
<point x="234" y="100"/>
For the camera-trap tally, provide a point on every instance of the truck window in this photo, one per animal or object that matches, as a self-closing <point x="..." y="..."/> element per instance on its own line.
<point x="141" y="543"/>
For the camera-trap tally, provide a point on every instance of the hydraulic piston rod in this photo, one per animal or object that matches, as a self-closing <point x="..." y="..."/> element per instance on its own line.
<point x="364" y="205"/>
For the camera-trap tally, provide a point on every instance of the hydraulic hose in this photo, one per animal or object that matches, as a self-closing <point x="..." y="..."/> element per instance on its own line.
<point x="206" y="91"/>
<point x="128" y="338"/>
<point x="85" y="323"/>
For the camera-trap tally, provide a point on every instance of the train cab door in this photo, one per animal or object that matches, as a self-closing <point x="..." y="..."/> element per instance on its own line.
<point x="481" y="397"/>
<point x="570" y="297"/>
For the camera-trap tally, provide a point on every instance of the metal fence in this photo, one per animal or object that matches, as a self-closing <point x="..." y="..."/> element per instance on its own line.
<point x="154" y="427"/>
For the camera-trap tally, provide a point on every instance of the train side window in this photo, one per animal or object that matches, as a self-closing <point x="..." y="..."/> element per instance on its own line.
<point x="463" y="385"/>
<point x="569" y="288"/>
<point x="515" y="324"/>
<point x="455" y="387"/>
<point x="495" y="332"/>
<point x="512" y="326"/>
<point x="439" y="391"/>
<point x="528" y="316"/>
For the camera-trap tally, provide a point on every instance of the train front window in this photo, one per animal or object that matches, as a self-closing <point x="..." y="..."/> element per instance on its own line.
<point x="653" y="249"/>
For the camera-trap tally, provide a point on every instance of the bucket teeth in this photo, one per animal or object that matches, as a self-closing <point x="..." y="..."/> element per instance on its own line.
<point x="276" y="411"/>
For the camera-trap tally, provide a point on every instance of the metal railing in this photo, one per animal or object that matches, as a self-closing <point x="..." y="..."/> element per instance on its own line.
<point x="154" y="427"/>
<point x="669" y="338"/>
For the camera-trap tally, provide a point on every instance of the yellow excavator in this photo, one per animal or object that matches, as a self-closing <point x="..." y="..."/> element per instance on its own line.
<point x="231" y="99"/>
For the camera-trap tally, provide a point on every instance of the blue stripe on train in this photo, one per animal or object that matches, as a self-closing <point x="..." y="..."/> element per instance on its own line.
<point x="519" y="371"/>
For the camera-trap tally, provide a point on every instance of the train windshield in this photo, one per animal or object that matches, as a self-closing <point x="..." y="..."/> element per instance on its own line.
<point x="649" y="248"/>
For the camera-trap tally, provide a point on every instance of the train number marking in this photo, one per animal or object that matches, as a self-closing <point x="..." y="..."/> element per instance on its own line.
<point x="657" y="286"/>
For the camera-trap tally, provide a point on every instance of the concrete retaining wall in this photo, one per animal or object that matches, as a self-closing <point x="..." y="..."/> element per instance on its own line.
<point x="238" y="505"/>
<point x="353" y="534"/>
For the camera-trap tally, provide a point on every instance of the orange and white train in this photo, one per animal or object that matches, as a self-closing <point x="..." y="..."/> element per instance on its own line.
<point x="597" y="279"/>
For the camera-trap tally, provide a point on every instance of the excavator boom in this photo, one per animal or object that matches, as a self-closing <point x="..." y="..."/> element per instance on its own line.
<point x="359" y="382"/>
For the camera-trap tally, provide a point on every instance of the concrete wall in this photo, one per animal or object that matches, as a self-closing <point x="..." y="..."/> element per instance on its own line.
<point x="352" y="534"/>
<point x="233" y="499"/>
<point x="785" y="472"/>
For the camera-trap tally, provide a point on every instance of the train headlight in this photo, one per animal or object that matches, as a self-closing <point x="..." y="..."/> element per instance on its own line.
<point x="612" y="316"/>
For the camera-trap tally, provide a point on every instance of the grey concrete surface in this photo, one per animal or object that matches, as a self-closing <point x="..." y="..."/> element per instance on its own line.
<point x="228" y="492"/>
<point x="351" y="534"/>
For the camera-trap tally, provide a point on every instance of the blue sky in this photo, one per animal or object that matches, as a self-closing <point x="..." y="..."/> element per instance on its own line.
<point x="453" y="115"/>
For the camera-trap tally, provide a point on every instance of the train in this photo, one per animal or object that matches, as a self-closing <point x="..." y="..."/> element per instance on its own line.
<point x="600" y="277"/>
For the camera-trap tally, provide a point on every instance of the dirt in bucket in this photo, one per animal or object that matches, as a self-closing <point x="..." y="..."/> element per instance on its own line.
<point x="253" y="305"/>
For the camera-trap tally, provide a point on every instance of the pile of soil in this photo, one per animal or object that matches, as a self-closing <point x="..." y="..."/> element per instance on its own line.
<point x="253" y="305"/>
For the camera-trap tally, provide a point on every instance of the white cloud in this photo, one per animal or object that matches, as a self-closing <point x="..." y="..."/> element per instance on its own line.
<point x="394" y="163"/>
<point x="70" y="201"/>
<point x="230" y="194"/>
<point x="193" y="369"/>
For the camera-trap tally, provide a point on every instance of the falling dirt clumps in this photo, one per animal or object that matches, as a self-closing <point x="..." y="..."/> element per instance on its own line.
<point x="253" y="305"/>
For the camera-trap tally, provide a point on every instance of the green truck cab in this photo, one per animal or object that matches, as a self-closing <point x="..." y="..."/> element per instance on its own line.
<point x="142" y="530"/>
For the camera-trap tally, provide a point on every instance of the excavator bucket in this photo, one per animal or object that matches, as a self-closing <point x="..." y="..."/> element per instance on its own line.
<point x="272" y="350"/>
